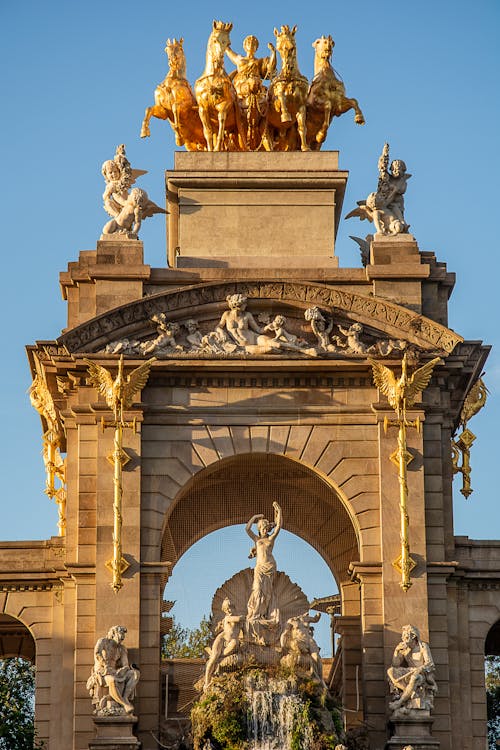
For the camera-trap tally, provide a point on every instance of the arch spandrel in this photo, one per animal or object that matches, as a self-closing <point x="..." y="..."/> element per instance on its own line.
<point x="207" y="302"/>
<point x="230" y="491"/>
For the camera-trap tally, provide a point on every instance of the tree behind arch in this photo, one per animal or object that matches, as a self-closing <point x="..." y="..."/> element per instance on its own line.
<point x="17" y="705"/>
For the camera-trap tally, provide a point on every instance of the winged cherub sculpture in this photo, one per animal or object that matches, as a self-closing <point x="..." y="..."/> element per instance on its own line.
<point x="126" y="207"/>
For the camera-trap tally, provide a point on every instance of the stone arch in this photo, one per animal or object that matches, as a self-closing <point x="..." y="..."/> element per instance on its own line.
<point x="16" y="640"/>
<point x="492" y="641"/>
<point x="174" y="454"/>
<point x="230" y="490"/>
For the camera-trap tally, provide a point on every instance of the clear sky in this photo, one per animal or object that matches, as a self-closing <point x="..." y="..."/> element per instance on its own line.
<point x="76" y="78"/>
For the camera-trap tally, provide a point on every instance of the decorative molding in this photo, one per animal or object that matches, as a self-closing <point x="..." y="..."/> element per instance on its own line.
<point x="371" y="311"/>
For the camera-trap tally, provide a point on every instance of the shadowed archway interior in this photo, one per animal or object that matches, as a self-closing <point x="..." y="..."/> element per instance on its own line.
<point x="232" y="490"/>
<point x="15" y="639"/>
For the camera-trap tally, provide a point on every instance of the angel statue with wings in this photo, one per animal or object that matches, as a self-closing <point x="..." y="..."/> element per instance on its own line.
<point x="126" y="207"/>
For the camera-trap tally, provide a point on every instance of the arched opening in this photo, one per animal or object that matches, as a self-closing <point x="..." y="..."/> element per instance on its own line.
<point x="207" y="565"/>
<point x="17" y="684"/>
<point x="16" y="640"/>
<point x="230" y="491"/>
<point x="227" y="494"/>
<point x="492" y="678"/>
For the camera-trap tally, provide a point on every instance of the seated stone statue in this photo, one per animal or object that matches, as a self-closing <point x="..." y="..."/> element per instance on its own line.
<point x="411" y="675"/>
<point x="113" y="680"/>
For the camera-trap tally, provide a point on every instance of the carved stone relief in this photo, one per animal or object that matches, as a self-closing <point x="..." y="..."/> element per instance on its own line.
<point x="395" y="324"/>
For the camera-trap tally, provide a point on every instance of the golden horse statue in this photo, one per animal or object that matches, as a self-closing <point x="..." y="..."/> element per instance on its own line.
<point x="288" y="96"/>
<point x="327" y="98"/>
<point x="175" y="102"/>
<point x="218" y="105"/>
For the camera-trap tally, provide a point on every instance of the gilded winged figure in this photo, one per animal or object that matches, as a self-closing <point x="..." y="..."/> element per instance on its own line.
<point x="120" y="391"/>
<point x="402" y="392"/>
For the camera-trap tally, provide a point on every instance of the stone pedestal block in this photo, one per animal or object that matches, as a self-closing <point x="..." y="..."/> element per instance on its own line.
<point x="414" y="731"/>
<point x="115" y="733"/>
<point x="238" y="210"/>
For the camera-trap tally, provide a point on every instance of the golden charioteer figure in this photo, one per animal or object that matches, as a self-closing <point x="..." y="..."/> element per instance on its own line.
<point x="236" y="111"/>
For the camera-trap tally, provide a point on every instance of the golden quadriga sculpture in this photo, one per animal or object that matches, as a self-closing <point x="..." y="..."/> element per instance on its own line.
<point x="237" y="111"/>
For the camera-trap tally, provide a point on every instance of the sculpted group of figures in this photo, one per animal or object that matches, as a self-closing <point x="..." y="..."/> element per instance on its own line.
<point x="239" y="333"/>
<point x="127" y="206"/>
<point x="385" y="207"/>
<point x="261" y="630"/>
<point x="237" y="111"/>
<point x="270" y="625"/>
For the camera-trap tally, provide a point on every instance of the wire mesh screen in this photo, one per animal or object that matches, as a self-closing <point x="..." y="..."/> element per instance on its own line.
<point x="236" y="488"/>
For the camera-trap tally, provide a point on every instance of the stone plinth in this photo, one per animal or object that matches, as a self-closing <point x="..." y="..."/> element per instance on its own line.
<point x="240" y="210"/>
<point x="414" y="731"/>
<point x="115" y="733"/>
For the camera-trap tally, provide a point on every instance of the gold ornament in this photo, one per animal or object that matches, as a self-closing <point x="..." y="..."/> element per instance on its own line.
<point x="402" y="393"/>
<point x="119" y="394"/>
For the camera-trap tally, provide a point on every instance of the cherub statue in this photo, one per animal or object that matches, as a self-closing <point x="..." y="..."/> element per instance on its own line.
<point x="352" y="344"/>
<point x="136" y="208"/>
<point x="298" y="645"/>
<point x="385" y="207"/>
<point x="411" y="674"/>
<point x="193" y="337"/>
<point x="226" y="642"/>
<point x="165" y="341"/>
<point x="321" y="328"/>
<point x="112" y="682"/>
<point x="123" y="346"/>
<point x="282" y="338"/>
<point x="126" y="207"/>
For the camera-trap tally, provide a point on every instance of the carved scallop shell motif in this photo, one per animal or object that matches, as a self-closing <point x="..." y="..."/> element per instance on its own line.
<point x="289" y="597"/>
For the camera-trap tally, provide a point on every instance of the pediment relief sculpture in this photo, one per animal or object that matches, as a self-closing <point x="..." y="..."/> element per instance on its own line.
<point x="240" y="333"/>
<point x="254" y="319"/>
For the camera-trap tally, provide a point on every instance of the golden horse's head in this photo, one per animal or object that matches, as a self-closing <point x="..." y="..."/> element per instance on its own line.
<point x="285" y="41"/>
<point x="324" y="47"/>
<point x="175" y="53"/>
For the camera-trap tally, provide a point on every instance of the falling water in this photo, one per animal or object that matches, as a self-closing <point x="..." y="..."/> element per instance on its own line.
<point x="276" y="712"/>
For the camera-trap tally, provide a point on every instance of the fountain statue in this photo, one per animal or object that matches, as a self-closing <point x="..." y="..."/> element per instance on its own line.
<point x="263" y="687"/>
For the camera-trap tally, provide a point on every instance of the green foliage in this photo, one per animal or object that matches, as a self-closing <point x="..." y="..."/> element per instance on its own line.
<point x="17" y="716"/>
<point x="492" y="676"/>
<point x="186" y="643"/>
<point x="221" y="714"/>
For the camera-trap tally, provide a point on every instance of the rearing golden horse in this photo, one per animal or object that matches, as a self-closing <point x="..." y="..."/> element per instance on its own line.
<point x="216" y="96"/>
<point x="327" y="98"/>
<point x="288" y="95"/>
<point x="175" y="102"/>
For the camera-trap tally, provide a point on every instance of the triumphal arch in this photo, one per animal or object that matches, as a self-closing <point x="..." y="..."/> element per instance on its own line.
<point x="250" y="373"/>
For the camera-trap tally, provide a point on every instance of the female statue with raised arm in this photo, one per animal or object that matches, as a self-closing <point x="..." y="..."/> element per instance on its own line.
<point x="261" y="607"/>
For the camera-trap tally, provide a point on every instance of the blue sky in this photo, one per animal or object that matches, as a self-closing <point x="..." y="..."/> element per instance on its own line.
<point x="76" y="78"/>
